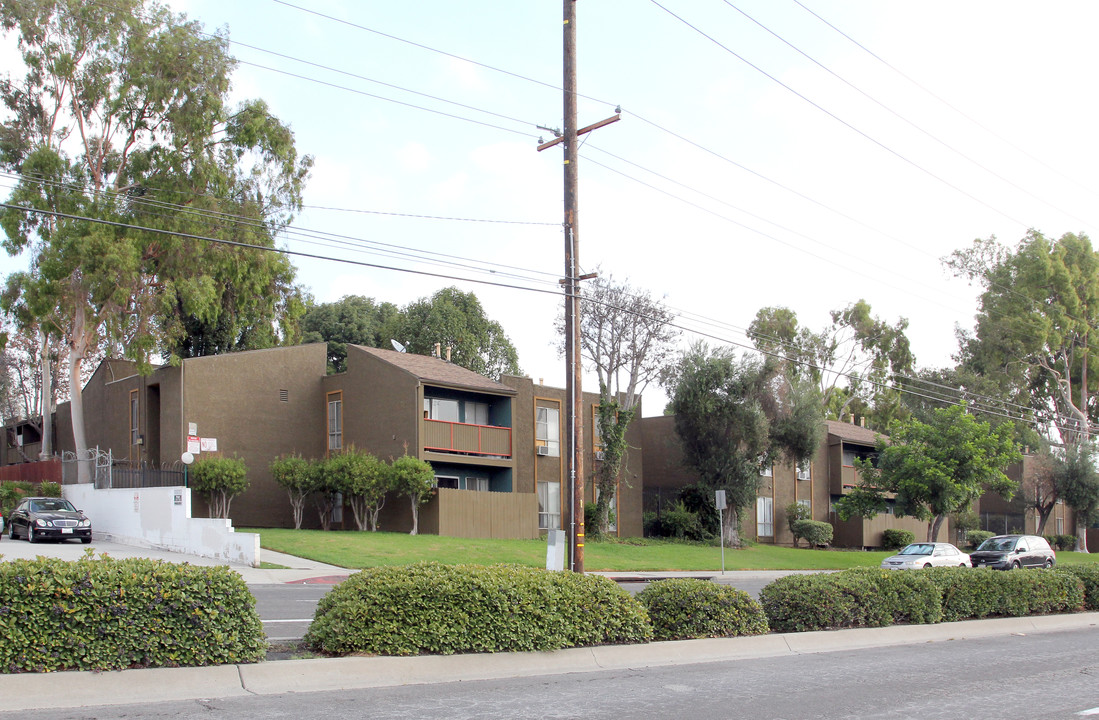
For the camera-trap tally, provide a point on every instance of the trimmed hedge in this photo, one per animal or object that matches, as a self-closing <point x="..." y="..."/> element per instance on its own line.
<point x="894" y="539"/>
<point x="814" y="532"/>
<point x="428" y="608"/>
<point x="974" y="593"/>
<point x="687" y="608"/>
<point x="864" y="597"/>
<point x="107" y="614"/>
<point x="1089" y="576"/>
<point x="975" y="537"/>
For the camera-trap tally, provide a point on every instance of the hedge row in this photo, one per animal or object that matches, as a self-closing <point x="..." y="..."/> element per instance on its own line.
<point x="686" y="608"/>
<point x="445" y="609"/>
<point x="867" y="597"/>
<point x="1089" y="576"/>
<point x="106" y="614"/>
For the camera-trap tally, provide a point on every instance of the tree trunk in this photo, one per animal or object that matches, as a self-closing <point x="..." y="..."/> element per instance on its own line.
<point x="47" y="396"/>
<point x="1043" y="518"/>
<point x="415" y="514"/>
<point x="732" y="527"/>
<point x="933" y="528"/>
<point x="79" y="346"/>
<point x="1081" y="536"/>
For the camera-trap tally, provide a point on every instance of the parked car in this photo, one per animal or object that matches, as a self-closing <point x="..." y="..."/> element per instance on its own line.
<point x="1" y="524"/>
<point x="925" y="555"/>
<point x="1010" y="552"/>
<point x="41" y="518"/>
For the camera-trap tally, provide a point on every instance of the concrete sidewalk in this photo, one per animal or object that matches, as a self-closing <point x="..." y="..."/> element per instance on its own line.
<point x="85" y="689"/>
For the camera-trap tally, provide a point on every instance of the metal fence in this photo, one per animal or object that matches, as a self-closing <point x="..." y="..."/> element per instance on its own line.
<point x="106" y="472"/>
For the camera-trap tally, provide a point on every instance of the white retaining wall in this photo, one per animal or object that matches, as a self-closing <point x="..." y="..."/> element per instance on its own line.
<point x="161" y="518"/>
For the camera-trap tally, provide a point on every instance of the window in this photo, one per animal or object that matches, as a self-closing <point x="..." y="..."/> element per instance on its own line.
<point x="439" y="409"/>
<point x="476" y="413"/>
<point x="765" y="517"/>
<point x="547" y="430"/>
<point x="549" y="506"/>
<point x="850" y="452"/>
<point x="765" y="467"/>
<point x="1060" y="526"/>
<point x="806" y="504"/>
<point x="135" y="418"/>
<point x="480" y="484"/>
<point x="446" y="481"/>
<point x="335" y="420"/>
<point x="805" y="470"/>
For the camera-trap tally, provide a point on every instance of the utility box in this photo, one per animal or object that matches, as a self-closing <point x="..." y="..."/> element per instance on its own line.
<point x="555" y="550"/>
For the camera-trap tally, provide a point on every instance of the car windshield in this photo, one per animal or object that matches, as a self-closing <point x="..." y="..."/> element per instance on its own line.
<point x="998" y="544"/>
<point x="51" y="506"/>
<point x="918" y="549"/>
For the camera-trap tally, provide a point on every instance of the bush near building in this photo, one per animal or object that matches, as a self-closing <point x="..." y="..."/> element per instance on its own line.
<point x="817" y="534"/>
<point x="1089" y="576"/>
<point x="428" y="608"/>
<point x="687" y="608"/>
<point x="894" y="539"/>
<point x="107" y="614"/>
<point x="974" y="538"/>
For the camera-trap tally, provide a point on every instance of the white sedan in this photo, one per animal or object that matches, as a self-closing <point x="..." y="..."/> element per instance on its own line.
<point x="925" y="555"/>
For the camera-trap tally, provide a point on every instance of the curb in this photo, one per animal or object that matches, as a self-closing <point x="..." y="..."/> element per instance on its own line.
<point x="29" y="691"/>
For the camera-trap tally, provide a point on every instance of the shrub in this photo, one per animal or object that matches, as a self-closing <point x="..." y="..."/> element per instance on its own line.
<point x="865" y="597"/>
<point x="12" y="491"/>
<point x="796" y="511"/>
<point x="679" y="522"/>
<point x="815" y="533"/>
<point x="107" y="614"/>
<point x="969" y="593"/>
<point x="591" y="522"/>
<point x="431" y="608"/>
<point x="894" y="539"/>
<point x="293" y="473"/>
<point x="975" y="537"/>
<point x="686" y="608"/>
<point x="220" y="479"/>
<point x="1061" y="542"/>
<point x="1089" y="576"/>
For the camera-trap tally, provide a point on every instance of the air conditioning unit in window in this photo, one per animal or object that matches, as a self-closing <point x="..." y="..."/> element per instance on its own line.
<point x="599" y="455"/>
<point x="543" y="450"/>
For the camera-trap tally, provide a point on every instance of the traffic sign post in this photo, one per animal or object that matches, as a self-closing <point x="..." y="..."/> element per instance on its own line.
<point x="719" y="503"/>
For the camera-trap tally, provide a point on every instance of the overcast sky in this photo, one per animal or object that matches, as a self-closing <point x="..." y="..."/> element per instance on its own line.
<point x="763" y="158"/>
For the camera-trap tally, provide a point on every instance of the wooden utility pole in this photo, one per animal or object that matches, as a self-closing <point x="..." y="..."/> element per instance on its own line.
<point x="574" y="402"/>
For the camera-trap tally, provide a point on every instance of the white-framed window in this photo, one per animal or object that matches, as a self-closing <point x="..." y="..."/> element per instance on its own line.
<point x="440" y="409"/>
<point x="335" y="420"/>
<point x="765" y="516"/>
<point x="765" y="467"/>
<point x="805" y="503"/>
<point x="479" y="484"/>
<point x="549" y="506"/>
<point x="547" y="430"/>
<point x="805" y="470"/>
<point x="1060" y="526"/>
<point x="446" y="481"/>
<point x="476" y="413"/>
<point x="135" y="418"/>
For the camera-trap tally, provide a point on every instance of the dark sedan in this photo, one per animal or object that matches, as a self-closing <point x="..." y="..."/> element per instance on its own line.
<point x="42" y="518"/>
<point x="1010" y="552"/>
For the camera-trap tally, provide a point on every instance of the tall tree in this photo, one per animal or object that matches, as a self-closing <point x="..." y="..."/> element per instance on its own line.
<point x="935" y="469"/>
<point x="734" y="417"/>
<point x="1076" y="481"/>
<point x="627" y="337"/>
<point x="351" y="320"/>
<point x="455" y="319"/>
<point x="120" y="101"/>
<point x="855" y="362"/>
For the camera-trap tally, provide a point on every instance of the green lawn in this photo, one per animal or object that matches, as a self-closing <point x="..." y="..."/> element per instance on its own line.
<point x="351" y="549"/>
<point x="363" y="549"/>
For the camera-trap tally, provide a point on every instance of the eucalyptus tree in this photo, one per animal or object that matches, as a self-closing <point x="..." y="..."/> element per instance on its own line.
<point x="126" y="149"/>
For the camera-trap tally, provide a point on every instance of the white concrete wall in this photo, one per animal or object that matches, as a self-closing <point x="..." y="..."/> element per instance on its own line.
<point x="161" y="518"/>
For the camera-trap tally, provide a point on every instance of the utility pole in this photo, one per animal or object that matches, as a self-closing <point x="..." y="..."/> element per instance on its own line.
<point x="574" y="400"/>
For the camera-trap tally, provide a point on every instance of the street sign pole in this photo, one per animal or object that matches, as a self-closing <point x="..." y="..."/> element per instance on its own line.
<point x="719" y="503"/>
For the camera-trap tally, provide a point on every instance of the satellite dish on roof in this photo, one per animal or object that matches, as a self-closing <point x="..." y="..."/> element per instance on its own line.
<point x="397" y="346"/>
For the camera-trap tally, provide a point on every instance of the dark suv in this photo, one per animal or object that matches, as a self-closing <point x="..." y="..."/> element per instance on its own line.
<point x="1010" y="552"/>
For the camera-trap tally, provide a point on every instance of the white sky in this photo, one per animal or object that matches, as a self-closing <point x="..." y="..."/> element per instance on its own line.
<point x="873" y="197"/>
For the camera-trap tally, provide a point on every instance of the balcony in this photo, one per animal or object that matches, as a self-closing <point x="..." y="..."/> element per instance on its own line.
<point x="455" y="437"/>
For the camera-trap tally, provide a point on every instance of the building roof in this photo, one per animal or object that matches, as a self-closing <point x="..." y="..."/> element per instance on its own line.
<point x="437" y="371"/>
<point x="853" y="433"/>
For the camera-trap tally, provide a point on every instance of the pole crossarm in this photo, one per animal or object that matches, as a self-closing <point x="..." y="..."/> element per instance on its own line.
<point x="581" y="131"/>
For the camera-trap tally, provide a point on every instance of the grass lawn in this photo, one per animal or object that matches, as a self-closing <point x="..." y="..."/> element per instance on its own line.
<point x="352" y="549"/>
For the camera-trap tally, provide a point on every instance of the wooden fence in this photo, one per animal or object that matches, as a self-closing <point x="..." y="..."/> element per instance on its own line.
<point x="472" y="513"/>
<point x="36" y="472"/>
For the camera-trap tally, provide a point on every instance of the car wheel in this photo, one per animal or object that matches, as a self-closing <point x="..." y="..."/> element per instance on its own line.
<point x="1049" y="563"/>
<point x="926" y="565"/>
<point x="11" y="531"/>
<point x="30" y="534"/>
<point x="963" y="565"/>
<point x="1015" y="565"/>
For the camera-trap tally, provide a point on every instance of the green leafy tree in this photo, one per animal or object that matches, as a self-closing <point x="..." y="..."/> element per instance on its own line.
<point x="325" y="483"/>
<point x="795" y="511"/>
<point x="364" y="480"/>
<point x="627" y="337"/>
<point x="294" y="474"/>
<point x="455" y="319"/>
<point x="733" y="418"/>
<point x="120" y="122"/>
<point x="1076" y="481"/>
<point x="352" y="320"/>
<point x="855" y="362"/>
<point x="415" y="479"/>
<point x="219" y="479"/>
<point x="934" y="469"/>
